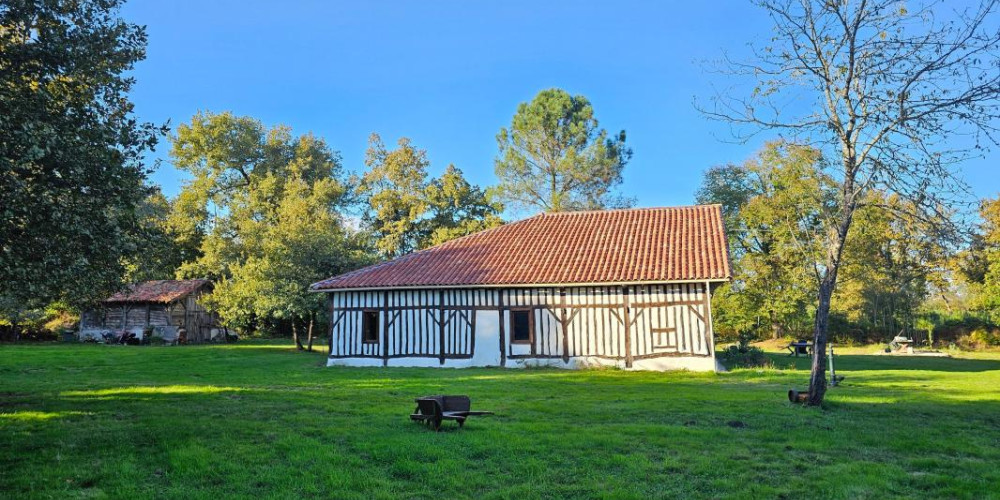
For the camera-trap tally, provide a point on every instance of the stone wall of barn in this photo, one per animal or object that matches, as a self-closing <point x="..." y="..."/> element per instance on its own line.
<point x="638" y="327"/>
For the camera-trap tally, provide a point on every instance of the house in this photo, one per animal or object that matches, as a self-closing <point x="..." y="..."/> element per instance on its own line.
<point x="163" y="306"/>
<point x="628" y="288"/>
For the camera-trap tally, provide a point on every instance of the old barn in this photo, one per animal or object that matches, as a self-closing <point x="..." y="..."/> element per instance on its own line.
<point x="168" y="308"/>
<point x="628" y="288"/>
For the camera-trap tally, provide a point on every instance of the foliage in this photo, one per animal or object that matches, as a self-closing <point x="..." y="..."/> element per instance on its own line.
<point x="881" y="90"/>
<point x="405" y="211"/>
<point x="71" y="171"/>
<point x="555" y="158"/>
<point x="985" y="337"/>
<point x="622" y="433"/>
<point x="775" y="206"/>
<point x="989" y="293"/>
<point x="266" y="207"/>
<point x="744" y="355"/>
<point x="772" y="205"/>
<point x="162" y="249"/>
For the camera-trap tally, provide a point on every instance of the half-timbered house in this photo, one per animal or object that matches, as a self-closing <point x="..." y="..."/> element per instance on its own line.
<point x="167" y="308"/>
<point x="628" y="288"/>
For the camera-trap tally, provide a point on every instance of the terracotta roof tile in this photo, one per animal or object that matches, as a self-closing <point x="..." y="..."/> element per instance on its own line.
<point x="163" y="291"/>
<point x="612" y="246"/>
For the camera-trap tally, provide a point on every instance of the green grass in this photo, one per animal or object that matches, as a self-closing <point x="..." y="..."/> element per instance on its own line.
<point x="88" y="421"/>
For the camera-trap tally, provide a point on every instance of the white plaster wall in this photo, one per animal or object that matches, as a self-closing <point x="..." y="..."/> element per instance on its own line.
<point x="585" y="324"/>
<point x="487" y="351"/>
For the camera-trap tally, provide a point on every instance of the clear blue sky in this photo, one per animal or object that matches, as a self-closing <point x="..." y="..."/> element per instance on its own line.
<point x="450" y="74"/>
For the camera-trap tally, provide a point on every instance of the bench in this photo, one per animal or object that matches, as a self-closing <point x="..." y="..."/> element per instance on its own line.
<point x="432" y="410"/>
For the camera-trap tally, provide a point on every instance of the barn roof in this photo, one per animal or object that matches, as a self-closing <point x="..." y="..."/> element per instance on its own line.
<point x="162" y="291"/>
<point x="599" y="247"/>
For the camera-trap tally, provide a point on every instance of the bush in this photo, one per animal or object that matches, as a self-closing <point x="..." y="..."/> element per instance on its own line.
<point x="744" y="355"/>
<point x="156" y="340"/>
<point x="751" y="357"/>
<point x="979" y="338"/>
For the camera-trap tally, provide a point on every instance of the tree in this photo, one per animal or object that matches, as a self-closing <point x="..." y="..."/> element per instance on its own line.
<point x="71" y="149"/>
<point x="772" y="206"/>
<point x="406" y="211"/>
<point x="393" y="190"/>
<point x="161" y="248"/>
<point x="989" y="293"/>
<point x="555" y="158"/>
<point x="267" y="208"/>
<point x="457" y="208"/>
<point x="884" y="88"/>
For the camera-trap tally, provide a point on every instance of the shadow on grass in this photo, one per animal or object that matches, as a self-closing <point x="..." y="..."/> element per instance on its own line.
<point x="866" y="362"/>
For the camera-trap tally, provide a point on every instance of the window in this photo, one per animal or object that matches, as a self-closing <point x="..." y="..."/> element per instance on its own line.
<point x="369" y="327"/>
<point x="521" y="326"/>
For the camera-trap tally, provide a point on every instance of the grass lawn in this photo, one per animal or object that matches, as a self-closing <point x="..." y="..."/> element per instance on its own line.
<point x="88" y="421"/>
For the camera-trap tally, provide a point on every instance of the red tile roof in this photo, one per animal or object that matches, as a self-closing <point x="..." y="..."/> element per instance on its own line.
<point x="163" y="291"/>
<point x="611" y="246"/>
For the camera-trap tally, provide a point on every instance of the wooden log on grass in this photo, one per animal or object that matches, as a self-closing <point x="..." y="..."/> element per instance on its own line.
<point x="797" y="397"/>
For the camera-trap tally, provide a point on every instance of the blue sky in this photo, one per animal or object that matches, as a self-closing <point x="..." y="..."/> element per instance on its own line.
<point x="449" y="75"/>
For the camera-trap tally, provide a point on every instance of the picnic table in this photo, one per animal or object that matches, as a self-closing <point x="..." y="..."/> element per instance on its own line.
<point x="799" y="347"/>
<point x="901" y="344"/>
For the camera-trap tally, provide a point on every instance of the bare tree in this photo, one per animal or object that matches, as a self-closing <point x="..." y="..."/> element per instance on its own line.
<point x="895" y="95"/>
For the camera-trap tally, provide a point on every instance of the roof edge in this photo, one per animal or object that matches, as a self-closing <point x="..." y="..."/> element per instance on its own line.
<point x="521" y="285"/>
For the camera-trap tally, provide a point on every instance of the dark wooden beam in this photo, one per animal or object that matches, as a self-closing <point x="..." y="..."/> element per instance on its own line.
<point x="628" y="331"/>
<point x="503" y="339"/>
<point x="441" y="324"/>
<point x="385" y="328"/>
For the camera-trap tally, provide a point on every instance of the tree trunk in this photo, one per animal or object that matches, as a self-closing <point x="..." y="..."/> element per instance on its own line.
<point x="817" y="376"/>
<point x="295" y="336"/>
<point x="309" y="336"/>
<point x="828" y="283"/>
<point x="775" y="327"/>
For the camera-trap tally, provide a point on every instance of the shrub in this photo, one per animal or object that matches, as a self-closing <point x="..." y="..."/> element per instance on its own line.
<point x="156" y="340"/>
<point x="982" y="337"/>
<point x="750" y="357"/>
<point x="744" y="355"/>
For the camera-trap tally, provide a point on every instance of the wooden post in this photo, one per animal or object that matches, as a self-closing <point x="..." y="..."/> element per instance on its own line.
<point x="385" y="328"/>
<point x="503" y="339"/>
<point x="472" y="339"/>
<point x="333" y="311"/>
<point x="441" y="325"/>
<point x="565" y="326"/>
<point x="709" y="330"/>
<point x="628" y="335"/>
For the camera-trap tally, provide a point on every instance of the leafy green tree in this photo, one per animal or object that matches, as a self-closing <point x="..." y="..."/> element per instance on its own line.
<point x="989" y="293"/>
<point x="407" y="211"/>
<point x="775" y="207"/>
<point x="457" y="208"/>
<point x="162" y="248"/>
<point x="393" y="190"/>
<point x="772" y="205"/>
<point x="881" y="88"/>
<point x="267" y="208"/>
<point x="555" y="158"/>
<point x="71" y="170"/>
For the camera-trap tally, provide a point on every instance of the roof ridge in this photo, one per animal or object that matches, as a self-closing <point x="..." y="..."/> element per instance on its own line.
<point x="620" y="210"/>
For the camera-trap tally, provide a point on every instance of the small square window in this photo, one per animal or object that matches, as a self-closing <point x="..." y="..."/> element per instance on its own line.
<point x="369" y="327"/>
<point x="521" y="327"/>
